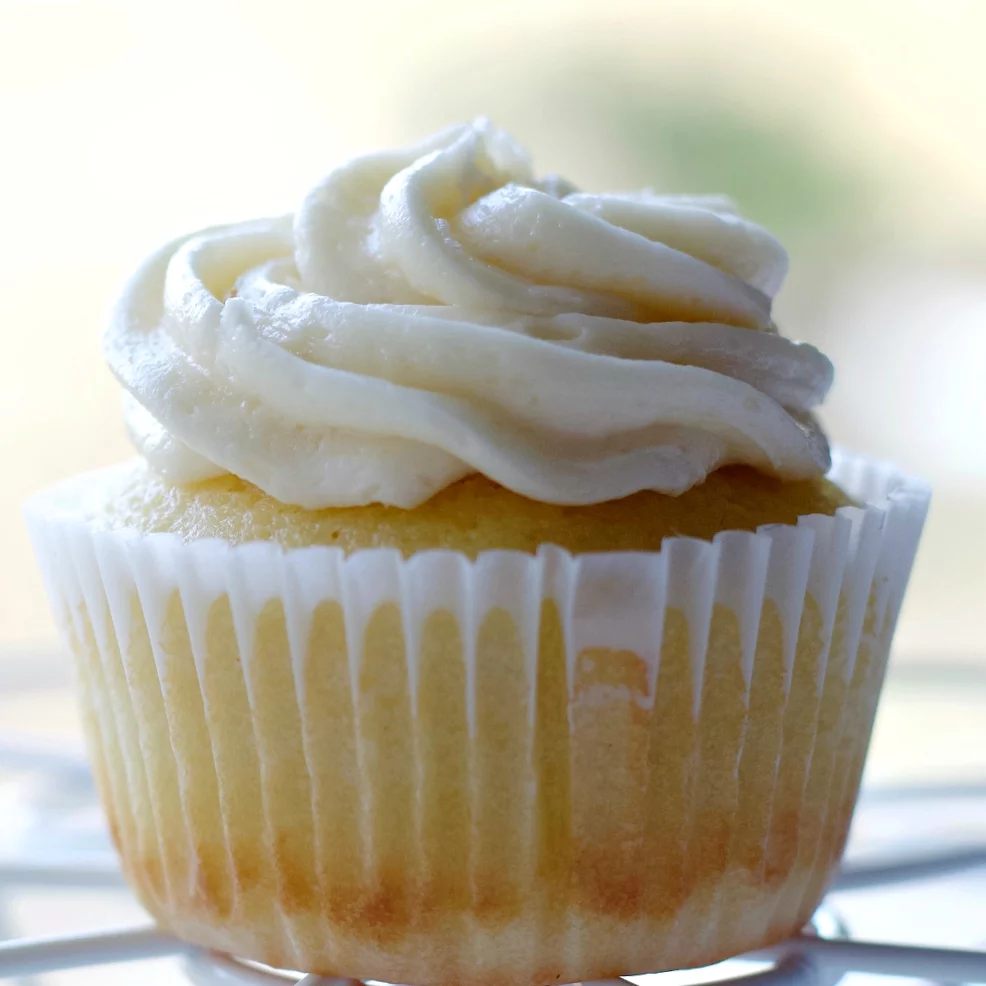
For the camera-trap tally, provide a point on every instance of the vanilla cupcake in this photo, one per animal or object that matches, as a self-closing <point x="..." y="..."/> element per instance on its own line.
<point x="483" y="606"/>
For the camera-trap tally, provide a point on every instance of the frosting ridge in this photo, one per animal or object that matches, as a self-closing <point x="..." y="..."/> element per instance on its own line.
<point x="438" y="311"/>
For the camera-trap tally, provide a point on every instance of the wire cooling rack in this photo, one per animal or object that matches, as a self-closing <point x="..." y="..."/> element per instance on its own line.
<point x="820" y="956"/>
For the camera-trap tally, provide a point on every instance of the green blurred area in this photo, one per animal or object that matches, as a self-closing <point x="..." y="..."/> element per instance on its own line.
<point x="688" y="132"/>
<point x="697" y="139"/>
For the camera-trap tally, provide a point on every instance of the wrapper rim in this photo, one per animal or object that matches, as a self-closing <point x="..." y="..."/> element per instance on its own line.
<point x="777" y="561"/>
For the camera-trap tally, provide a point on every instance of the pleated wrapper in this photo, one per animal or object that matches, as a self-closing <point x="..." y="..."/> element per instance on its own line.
<point x="433" y="769"/>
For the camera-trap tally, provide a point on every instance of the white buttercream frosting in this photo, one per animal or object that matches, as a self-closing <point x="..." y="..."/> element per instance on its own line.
<point x="439" y="311"/>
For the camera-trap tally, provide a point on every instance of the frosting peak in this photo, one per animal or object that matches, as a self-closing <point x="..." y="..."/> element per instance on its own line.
<point x="438" y="311"/>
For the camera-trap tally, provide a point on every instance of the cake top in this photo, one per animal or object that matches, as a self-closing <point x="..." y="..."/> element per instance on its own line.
<point x="439" y="311"/>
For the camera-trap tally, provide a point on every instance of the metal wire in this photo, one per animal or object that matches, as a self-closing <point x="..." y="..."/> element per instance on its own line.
<point x="805" y="960"/>
<point x="71" y="873"/>
<point x="214" y="969"/>
<point x="950" y="964"/>
<point x="27" y="956"/>
<point x="903" y="871"/>
<point x="5" y="932"/>
<point x="792" y="970"/>
<point x="893" y="794"/>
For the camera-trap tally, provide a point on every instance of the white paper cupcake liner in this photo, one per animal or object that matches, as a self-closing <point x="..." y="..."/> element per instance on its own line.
<point x="543" y="767"/>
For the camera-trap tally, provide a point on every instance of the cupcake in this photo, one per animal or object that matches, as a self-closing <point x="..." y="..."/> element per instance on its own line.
<point x="484" y="605"/>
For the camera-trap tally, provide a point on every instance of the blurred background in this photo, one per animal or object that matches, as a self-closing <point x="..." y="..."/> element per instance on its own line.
<point x="852" y="128"/>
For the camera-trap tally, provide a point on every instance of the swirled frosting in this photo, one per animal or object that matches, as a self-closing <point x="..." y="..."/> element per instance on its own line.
<point x="438" y="311"/>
